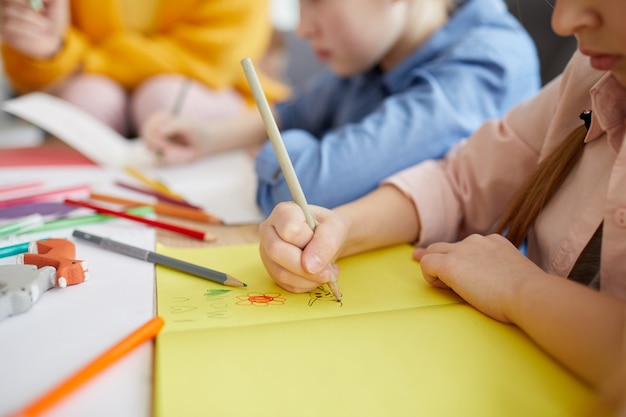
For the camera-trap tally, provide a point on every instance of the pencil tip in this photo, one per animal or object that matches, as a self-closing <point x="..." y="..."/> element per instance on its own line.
<point x="234" y="282"/>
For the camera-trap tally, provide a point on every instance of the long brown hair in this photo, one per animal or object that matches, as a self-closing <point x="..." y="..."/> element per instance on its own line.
<point x="541" y="186"/>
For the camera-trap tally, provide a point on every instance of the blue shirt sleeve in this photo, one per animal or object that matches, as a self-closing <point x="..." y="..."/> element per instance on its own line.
<point x="448" y="98"/>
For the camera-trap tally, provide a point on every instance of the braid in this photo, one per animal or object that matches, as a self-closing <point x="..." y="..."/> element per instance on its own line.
<point x="536" y="192"/>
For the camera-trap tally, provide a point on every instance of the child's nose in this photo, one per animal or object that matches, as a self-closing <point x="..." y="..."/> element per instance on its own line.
<point x="306" y="26"/>
<point x="571" y="16"/>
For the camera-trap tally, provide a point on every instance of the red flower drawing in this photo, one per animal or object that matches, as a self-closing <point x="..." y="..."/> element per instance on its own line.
<point x="258" y="299"/>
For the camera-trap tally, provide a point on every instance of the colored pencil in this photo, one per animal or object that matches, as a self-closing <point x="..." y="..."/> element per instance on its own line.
<point x="135" y="339"/>
<point x="196" y="234"/>
<point x="157" y="258"/>
<point x="151" y="183"/>
<point x="46" y="195"/>
<point x="180" y="98"/>
<point x="157" y="195"/>
<point x="19" y="186"/>
<point x="71" y="222"/>
<point x="165" y="209"/>
<point x="15" y="226"/>
<point x="14" y="249"/>
<point x="178" y="106"/>
<point x="281" y="153"/>
<point x="68" y="222"/>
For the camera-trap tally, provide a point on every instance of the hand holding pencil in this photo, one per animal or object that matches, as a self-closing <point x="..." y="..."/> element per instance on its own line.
<point x="174" y="139"/>
<point x="177" y="140"/>
<point x="286" y="166"/>
<point x="297" y="258"/>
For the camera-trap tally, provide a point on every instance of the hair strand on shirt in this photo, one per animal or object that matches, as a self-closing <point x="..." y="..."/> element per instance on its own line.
<point x="541" y="186"/>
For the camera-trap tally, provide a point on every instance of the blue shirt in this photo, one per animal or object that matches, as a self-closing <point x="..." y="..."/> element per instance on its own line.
<point x="344" y="135"/>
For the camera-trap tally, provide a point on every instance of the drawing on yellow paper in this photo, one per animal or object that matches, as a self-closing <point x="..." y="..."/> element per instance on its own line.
<point x="259" y="299"/>
<point x="321" y="293"/>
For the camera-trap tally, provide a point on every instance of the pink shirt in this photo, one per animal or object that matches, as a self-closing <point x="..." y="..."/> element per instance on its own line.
<point x="467" y="192"/>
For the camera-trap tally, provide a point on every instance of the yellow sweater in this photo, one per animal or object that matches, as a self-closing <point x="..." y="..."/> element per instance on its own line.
<point x="138" y="15"/>
<point x="201" y="39"/>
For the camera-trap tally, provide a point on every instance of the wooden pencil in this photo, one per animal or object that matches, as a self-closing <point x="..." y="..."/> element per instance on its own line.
<point x="20" y="224"/>
<point x="158" y="195"/>
<point x="180" y="98"/>
<point x="281" y="153"/>
<point x="165" y="209"/>
<point x="151" y="183"/>
<point x="196" y="234"/>
<point x="46" y="195"/>
<point x="4" y="188"/>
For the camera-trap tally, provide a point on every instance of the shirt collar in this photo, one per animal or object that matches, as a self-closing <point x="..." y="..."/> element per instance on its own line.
<point x="608" y="103"/>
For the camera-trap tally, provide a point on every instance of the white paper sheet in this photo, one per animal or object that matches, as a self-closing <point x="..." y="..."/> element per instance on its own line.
<point x="80" y="130"/>
<point x="69" y="327"/>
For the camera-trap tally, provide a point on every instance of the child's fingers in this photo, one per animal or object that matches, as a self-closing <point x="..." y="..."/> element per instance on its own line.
<point x="150" y="131"/>
<point x="283" y="261"/>
<point x="176" y="155"/>
<point x="330" y="234"/>
<point x="430" y="264"/>
<point x="296" y="257"/>
<point x="287" y="221"/>
<point x="285" y="277"/>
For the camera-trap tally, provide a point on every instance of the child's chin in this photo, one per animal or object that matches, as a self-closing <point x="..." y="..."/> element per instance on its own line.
<point x="344" y="70"/>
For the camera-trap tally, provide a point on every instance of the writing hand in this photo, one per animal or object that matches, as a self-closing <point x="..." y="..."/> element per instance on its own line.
<point x="296" y="258"/>
<point x="173" y="139"/>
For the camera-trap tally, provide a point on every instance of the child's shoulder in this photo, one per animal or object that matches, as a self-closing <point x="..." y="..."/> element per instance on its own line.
<point x="484" y="28"/>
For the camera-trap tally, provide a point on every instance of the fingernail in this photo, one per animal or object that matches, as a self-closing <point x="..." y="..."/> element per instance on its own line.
<point x="313" y="264"/>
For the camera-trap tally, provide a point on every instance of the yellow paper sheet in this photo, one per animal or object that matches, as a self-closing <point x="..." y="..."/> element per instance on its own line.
<point x="416" y="351"/>
<point x="377" y="281"/>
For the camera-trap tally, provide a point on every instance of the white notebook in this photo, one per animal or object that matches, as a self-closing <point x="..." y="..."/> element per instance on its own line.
<point x="80" y="130"/>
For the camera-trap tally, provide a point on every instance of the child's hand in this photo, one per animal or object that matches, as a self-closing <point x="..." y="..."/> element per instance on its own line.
<point x="173" y="139"/>
<point x="484" y="270"/>
<point x="295" y="257"/>
<point x="38" y="34"/>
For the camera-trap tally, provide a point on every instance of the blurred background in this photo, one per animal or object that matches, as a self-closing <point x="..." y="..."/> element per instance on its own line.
<point x="291" y="58"/>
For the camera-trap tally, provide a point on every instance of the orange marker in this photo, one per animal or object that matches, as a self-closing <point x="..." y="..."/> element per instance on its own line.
<point x="130" y="342"/>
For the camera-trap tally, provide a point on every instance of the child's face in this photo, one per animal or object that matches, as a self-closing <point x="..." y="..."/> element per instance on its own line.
<point x="599" y="27"/>
<point x="351" y="35"/>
